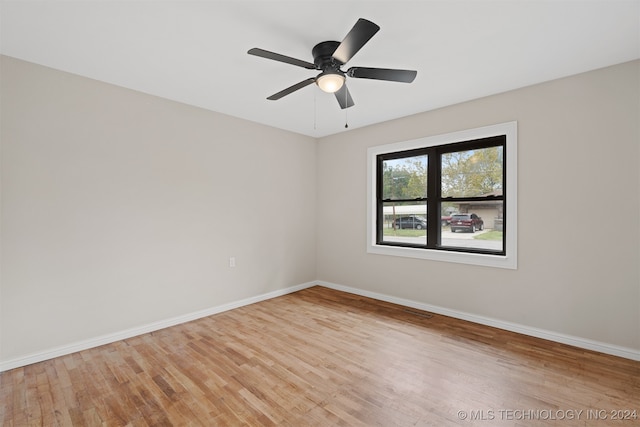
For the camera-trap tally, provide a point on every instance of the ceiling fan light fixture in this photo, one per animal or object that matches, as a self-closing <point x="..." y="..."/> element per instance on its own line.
<point x="330" y="81"/>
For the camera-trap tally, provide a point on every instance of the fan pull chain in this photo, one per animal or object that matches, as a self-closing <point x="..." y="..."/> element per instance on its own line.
<point x="346" y="110"/>
<point x="315" y="111"/>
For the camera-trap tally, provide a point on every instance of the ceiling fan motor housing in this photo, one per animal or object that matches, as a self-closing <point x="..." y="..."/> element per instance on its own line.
<point x="323" y="56"/>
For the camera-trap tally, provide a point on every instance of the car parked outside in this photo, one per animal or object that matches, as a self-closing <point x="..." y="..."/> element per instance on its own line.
<point x="466" y="222"/>
<point x="411" y="221"/>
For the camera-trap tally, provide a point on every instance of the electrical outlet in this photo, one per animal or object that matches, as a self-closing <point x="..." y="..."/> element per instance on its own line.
<point x="232" y="261"/>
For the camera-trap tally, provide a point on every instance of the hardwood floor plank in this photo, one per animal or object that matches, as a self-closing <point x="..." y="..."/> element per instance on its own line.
<point x="320" y="357"/>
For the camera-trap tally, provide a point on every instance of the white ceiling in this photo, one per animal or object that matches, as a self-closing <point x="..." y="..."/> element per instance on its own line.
<point x="195" y="51"/>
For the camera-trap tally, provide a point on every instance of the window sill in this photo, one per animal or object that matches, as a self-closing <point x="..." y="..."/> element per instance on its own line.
<point x="486" y="260"/>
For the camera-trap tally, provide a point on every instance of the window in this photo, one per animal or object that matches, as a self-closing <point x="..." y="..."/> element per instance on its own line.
<point x="450" y="197"/>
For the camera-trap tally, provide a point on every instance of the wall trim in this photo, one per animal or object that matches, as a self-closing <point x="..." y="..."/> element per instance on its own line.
<point x="625" y="352"/>
<point x="144" y="329"/>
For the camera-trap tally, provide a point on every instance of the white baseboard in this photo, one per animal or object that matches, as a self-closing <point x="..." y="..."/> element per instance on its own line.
<point x="627" y="353"/>
<point x="151" y="327"/>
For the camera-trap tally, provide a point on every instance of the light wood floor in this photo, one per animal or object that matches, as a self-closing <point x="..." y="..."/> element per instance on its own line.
<point x="320" y="358"/>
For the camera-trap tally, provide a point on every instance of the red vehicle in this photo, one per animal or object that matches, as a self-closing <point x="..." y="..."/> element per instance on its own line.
<point x="466" y="222"/>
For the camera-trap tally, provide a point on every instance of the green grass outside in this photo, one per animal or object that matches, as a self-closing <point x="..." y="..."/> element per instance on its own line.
<point x="489" y="235"/>
<point x="408" y="232"/>
<point x="405" y="232"/>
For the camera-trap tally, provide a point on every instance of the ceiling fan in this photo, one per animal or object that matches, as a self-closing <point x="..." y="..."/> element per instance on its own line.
<point x="329" y="56"/>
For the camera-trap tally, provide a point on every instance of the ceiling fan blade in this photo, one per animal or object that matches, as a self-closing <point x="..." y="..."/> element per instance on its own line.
<point x="360" y="34"/>
<point x="282" y="58"/>
<point x="405" y="76"/>
<point x="291" y="89"/>
<point x="344" y="97"/>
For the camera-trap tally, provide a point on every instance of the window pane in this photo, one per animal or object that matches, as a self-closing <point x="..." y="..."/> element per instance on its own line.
<point x="404" y="178"/>
<point x="477" y="225"/>
<point x="472" y="173"/>
<point x="405" y="222"/>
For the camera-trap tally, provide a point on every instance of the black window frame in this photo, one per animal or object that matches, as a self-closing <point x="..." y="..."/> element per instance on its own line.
<point x="434" y="199"/>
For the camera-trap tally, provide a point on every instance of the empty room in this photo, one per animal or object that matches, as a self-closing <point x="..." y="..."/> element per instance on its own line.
<point x="318" y="213"/>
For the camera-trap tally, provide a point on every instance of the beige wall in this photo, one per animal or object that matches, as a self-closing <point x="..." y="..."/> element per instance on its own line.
<point x="578" y="211"/>
<point x="121" y="209"/>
